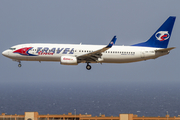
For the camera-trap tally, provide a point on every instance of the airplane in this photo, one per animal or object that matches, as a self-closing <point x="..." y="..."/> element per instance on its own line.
<point x="73" y="54"/>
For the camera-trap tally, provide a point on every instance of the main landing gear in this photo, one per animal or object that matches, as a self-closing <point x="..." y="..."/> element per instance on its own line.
<point x="88" y="67"/>
<point x="19" y="65"/>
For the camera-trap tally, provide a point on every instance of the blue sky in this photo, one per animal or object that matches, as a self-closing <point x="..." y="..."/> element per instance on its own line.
<point x="89" y="22"/>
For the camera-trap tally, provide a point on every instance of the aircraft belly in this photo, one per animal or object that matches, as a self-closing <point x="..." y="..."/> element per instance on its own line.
<point x="121" y="58"/>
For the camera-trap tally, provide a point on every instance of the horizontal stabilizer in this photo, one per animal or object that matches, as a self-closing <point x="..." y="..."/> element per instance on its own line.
<point x="166" y="49"/>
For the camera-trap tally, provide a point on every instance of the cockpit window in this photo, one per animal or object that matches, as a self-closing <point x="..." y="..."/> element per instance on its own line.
<point x="12" y="48"/>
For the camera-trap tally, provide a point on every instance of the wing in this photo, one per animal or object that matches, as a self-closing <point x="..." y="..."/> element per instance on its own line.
<point x="93" y="56"/>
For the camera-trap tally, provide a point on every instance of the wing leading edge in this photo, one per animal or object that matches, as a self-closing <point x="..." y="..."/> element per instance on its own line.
<point x="93" y="56"/>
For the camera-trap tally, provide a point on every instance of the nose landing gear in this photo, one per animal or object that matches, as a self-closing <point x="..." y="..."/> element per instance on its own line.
<point x="19" y="65"/>
<point x="88" y="67"/>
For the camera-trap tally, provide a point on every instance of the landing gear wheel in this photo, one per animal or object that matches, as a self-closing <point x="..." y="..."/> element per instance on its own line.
<point x="88" y="67"/>
<point x="19" y="65"/>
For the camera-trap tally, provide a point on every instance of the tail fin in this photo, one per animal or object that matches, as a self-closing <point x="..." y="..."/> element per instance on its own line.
<point x="161" y="37"/>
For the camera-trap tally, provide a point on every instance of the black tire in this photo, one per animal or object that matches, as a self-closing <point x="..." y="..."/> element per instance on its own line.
<point x="88" y="67"/>
<point x="19" y="65"/>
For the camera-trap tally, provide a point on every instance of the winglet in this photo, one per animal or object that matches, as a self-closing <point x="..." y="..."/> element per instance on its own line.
<point x="112" y="42"/>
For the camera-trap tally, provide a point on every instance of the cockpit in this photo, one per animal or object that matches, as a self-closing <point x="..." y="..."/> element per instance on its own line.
<point x="12" y="48"/>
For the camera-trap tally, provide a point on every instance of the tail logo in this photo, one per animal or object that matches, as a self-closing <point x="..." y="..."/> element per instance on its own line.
<point x="162" y="35"/>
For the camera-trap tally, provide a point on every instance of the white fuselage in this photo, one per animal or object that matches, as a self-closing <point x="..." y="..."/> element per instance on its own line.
<point x="53" y="52"/>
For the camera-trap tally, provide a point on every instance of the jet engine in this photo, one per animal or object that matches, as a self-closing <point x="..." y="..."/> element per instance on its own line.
<point x="68" y="60"/>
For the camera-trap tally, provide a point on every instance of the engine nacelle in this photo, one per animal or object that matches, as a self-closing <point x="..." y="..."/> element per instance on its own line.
<point x="68" y="60"/>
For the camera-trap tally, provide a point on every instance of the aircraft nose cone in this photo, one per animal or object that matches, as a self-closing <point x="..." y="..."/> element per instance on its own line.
<point x="5" y="53"/>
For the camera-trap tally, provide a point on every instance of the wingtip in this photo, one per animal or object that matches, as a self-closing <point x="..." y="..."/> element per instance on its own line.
<point x="173" y="16"/>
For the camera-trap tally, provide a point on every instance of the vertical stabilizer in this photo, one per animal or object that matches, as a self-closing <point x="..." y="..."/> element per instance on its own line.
<point x="161" y="37"/>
